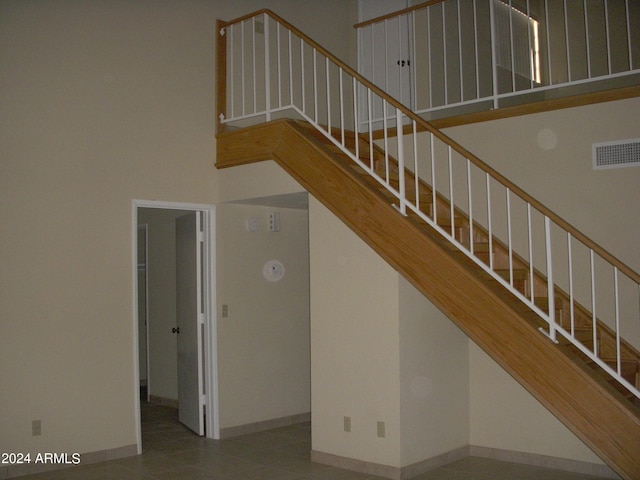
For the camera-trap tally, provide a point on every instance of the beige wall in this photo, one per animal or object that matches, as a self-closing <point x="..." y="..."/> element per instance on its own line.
<point x="505" y="416"/>
<point x="355" y="339"/>
<point x="263" y="344"/>
<point x="101" y="103"/>
<point x="248" y="181"/>
<point x="434" y="379"/>
<point x="380" y="352"/>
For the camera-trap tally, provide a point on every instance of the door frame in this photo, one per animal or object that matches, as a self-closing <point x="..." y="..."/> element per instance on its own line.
<point x="144" y="227"/>
<point x="210" y="367"/>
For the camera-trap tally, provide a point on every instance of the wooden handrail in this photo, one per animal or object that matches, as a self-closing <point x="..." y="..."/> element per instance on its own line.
<point x="621" y="266"/>
<point x="223" y="23"/>
<point x="397" y="13"/>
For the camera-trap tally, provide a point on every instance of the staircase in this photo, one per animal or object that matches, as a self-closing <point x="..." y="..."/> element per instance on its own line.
<point x="600" y="339"/>
<point x="574" y="363"/>
<point x="584" y="400"/>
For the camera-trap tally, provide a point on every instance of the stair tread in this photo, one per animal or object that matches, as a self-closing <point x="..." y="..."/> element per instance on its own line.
<point x="623" y="361"/>
<point x="518" y="273"/>
<point x="458" y="221"/>
<point x="478" y="247"/>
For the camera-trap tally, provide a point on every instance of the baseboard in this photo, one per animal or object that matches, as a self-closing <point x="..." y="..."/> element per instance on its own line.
<point x="360" y="466"/>
<point x="387" y="471"/>
<point x="418" y="468"/>
<point x="167" y="402"/>
<point x="32" y="468"/>
<point x="568" y="465"/>
<point x="441" y="460"/>
<point x="261" y="426"/>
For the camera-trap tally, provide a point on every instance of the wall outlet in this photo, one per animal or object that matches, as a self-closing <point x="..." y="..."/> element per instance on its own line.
<point x="347" y="424"/>
<point x="381" y="430"/>
<point x="225" y="311"/>
<point x="274" y="222"/>
<point x="36" y="428"/>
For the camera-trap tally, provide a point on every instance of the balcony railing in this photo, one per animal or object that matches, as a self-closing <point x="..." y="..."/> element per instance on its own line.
<point x="268" y="69"/>
<point x="473" y="55"/>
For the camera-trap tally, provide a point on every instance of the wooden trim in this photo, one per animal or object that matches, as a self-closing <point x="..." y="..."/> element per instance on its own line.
<point x="249" y="145"/>
<point x="397" y="13"/>
<point x="539" y="107"/>
<point x="221" y="76"/>
<point x="245" y="17"/>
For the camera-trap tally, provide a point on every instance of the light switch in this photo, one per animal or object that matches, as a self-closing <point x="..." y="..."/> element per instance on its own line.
<point x="347" y="424"/>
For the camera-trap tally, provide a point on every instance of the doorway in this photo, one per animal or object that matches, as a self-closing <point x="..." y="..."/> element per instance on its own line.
<point x="176" y="276"/>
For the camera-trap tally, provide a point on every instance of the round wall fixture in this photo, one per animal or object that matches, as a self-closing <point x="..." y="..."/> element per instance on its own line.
<point x="252" y="224"/>
<point x="273" y="271"/>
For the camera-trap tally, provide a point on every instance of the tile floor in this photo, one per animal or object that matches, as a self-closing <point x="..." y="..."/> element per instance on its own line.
<point x="171" y="452"/>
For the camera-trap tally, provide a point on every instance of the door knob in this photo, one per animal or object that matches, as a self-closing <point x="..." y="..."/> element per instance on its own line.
<point x="175" y="330"/>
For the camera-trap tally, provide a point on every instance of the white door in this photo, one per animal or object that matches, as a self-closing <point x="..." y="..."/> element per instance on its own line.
<point x="384" y="55"/>
<point x="190" y="316"/>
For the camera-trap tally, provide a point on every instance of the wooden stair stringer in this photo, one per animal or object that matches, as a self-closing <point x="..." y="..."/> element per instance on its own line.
<point x="592" y="410"/>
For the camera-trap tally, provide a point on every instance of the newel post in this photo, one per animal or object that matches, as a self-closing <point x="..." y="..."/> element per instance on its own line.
<point x="221" y="75"/>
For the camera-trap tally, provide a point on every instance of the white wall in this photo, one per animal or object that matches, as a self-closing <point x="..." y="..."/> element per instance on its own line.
<point x="263" y="344"/>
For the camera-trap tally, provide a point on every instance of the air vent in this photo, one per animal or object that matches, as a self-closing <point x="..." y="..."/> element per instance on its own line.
<point x="623" y="153"/>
